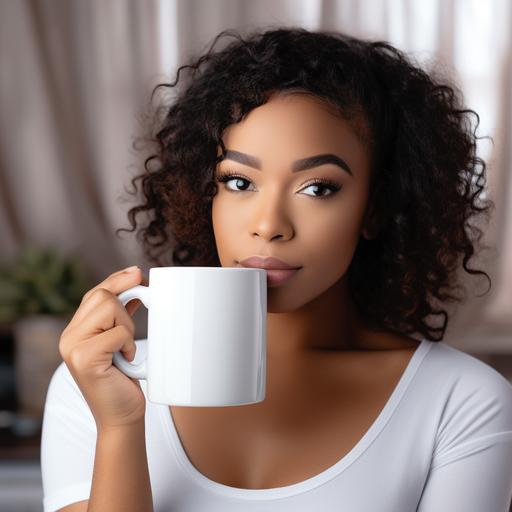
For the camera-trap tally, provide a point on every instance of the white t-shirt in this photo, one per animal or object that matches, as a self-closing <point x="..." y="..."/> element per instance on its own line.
<point x="442" y="443"/>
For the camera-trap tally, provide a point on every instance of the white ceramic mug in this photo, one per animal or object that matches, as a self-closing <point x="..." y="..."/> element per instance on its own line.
<point x="207" y="333"/>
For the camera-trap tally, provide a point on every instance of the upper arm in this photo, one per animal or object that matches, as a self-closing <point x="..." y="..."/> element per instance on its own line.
<point x="476" y="476"/>
<point x="471" y="467"/>
<point x="81" y="506"/>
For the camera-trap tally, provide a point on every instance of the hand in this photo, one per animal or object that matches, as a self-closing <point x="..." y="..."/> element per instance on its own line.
<point x="100" y="326"/>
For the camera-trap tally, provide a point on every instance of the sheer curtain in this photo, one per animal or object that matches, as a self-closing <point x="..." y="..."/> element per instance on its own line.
<point x="76" y="76"/>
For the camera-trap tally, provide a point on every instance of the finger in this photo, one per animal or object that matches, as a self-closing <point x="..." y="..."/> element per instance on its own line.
<point x="110" y="282"/>
<point x="116" y="284"/>
<point x="132" y="306"/>
<point x="106" y="312"/>
<point x="96" y="355"/>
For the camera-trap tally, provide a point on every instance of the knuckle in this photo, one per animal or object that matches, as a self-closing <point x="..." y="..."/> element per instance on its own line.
<point x="63" y="351"/>
<point x="63" y="344"/>
<point x="62" y="340"/>
<point x="96" y="292"/>
<point x="126" y="330"/>
<point x="86" y="296"/>
<point x="102" y="294"/>
<point x="64" y="332"/>
<point x="77" y="358"/>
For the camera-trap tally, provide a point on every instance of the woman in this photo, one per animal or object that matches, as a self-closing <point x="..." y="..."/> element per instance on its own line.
<point x="342" y="158"/>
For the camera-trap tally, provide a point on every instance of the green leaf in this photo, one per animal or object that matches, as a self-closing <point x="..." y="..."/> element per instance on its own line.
<point x="41" y="280"/>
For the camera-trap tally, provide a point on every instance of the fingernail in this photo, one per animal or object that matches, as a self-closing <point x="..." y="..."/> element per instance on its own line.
<point x="131" y="269"/>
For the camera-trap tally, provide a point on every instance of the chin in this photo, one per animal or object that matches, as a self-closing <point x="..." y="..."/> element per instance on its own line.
<point x="280" y="300"/>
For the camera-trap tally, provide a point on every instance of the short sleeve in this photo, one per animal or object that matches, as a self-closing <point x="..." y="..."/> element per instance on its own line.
<point x="68" y="443"/>
<point x="471" y="467"/>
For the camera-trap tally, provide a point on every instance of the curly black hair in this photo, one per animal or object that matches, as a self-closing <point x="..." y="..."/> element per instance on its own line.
<point x="426" y="177"/>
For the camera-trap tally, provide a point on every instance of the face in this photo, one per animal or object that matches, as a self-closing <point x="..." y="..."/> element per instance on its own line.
<point x="310" y="218"/>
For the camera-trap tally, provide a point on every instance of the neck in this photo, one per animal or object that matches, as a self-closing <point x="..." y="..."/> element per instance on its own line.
<point x="329" y="322"/>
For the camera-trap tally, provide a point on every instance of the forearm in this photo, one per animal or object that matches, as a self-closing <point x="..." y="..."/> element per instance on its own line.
<point x="121" y="476"/>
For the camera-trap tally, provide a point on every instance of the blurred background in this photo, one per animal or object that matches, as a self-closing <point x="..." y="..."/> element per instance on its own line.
<point x="75" y="83"/>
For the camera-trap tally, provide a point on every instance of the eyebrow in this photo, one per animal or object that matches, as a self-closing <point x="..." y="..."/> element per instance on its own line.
<point x="297" y="165"/>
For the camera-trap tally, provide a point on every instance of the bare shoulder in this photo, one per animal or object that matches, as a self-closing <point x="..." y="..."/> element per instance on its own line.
<point x="389" y="341"/>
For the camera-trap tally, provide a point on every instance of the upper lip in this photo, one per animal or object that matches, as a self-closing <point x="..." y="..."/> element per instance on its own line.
<point x="267" y="263"/>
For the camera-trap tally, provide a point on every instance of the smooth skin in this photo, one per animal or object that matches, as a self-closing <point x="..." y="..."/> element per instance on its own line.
<point x="279" y="215"/>
<point x="328" y="375"/>
<point x="273" y="212"/>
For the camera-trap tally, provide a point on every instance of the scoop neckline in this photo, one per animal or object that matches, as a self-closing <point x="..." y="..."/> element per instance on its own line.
<point x="317" y="480"/>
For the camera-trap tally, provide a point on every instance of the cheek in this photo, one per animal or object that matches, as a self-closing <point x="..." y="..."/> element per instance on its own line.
<point x="224" y="231"/>
<point x="332" y="240"/>
<point x="222" y="216"/>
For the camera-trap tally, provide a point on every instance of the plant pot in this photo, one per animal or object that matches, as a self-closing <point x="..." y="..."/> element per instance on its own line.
<point x="36" y="357"/>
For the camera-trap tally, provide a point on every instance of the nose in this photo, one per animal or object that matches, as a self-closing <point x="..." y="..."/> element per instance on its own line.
<point x="271" y="220"/>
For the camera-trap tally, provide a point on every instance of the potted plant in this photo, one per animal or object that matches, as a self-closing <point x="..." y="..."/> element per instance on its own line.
<point x="39" y="291"/>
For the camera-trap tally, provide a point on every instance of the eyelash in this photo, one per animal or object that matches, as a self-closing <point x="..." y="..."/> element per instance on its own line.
<point x="331" y="185"/>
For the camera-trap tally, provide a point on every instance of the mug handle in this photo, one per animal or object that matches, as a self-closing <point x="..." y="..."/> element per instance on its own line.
<point x="137" y="370"/>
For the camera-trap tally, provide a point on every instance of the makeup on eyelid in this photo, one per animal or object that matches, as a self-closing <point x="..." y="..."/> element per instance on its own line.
<point x="226" y="176"/>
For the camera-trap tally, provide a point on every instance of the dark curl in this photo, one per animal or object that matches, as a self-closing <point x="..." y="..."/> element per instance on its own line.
<point x="426" y="177"/>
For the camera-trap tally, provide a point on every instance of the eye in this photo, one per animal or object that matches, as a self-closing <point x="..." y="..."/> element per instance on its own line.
<point x="322" y="184"/>
<point x="226" y="178"/>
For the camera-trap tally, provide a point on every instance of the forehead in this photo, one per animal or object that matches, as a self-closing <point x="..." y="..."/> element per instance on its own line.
<point x="291" y="126"/>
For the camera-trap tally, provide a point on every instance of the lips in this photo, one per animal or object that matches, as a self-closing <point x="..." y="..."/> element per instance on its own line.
<point x="278" y="271"/>
<point x="267" y="263"/>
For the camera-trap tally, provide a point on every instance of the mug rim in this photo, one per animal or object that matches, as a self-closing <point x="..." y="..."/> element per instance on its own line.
<point x="237" y="269"/>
